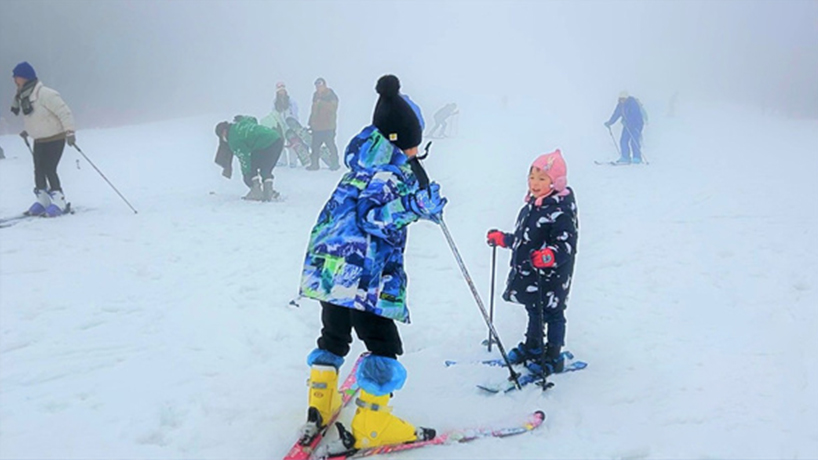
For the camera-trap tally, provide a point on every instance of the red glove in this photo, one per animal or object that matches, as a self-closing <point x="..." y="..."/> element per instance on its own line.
<point x="496" y="238"/>
<point x="544" y="258"/>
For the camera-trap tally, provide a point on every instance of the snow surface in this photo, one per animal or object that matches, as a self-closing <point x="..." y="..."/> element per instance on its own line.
<point x="168" y="334"/>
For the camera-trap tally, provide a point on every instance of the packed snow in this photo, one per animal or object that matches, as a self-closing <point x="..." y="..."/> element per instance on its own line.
<point x="169" y="333"/>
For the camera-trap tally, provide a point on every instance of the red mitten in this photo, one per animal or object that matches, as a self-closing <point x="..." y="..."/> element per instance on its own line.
<point x="544" y="258"/>
<point x="496" y="238"/>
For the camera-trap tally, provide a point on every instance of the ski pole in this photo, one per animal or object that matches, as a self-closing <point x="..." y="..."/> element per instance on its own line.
<point x="423" y="181"/>
<point x="491" y="299"/>
<point x="25" y="138"/>
<point x="492" y="330"/>
<point x="103" y="176"/>
<point x="614" y="142"/>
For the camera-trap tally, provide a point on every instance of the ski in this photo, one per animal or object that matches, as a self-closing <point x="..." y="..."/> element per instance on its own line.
<point x="530" y="423"/>
<point x="500" y="362"/>
<point x="615" y="163"/>
<point x="529" y="377"/>
<point x="348" y="390"/>
<point x="9" y="221"/>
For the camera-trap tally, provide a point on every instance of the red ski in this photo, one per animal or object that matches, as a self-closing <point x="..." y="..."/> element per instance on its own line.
<point x="530" y="423"/>
<point x="348" y="390"/>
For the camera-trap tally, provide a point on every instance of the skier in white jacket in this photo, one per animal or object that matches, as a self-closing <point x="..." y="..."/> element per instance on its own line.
<point x="48" y="121"/>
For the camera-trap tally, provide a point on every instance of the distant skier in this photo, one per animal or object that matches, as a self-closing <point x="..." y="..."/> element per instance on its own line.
<point x="258" y="149"/>
<point x="354" y="267"/>
<point x="441" y="120"/>
<point x="2" y="154"/>
<point x="285" y="107"/>
<point x="543" y="249"/>
<point x="48" y="121"/>
<point x="323" y="123"/>
<point x="633" y="116"/>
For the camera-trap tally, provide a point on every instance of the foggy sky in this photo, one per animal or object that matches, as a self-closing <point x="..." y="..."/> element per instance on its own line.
<point x="137" y="60"/>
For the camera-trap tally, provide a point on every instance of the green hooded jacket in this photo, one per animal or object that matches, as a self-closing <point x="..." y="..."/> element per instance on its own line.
<point x="247" y="136"/>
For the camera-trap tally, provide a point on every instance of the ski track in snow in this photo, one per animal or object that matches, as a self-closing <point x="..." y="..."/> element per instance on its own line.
<point x="168" y="334"/>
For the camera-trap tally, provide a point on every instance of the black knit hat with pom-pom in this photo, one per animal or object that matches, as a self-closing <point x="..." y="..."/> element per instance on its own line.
<point x="394" y="117"/>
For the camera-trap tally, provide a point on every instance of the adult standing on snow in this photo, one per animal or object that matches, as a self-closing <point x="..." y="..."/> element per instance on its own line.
<point x="285" y="107"/>
<point x="354" y="267"/>
<point x="323" y="123"/>
<point x="48" y="121"/>
<point x="258" y="148"/>
<point x="630" y="110"/>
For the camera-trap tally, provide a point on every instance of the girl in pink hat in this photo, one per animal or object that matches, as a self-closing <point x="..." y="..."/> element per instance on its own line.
<point x="544" y="247"/>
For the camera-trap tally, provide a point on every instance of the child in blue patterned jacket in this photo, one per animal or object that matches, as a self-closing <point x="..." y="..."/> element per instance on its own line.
<point x="354" y="267"/>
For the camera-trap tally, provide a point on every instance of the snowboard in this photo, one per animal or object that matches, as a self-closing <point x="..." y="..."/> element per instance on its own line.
<point x="297" y="132"/>
<point x="275" y="120"/>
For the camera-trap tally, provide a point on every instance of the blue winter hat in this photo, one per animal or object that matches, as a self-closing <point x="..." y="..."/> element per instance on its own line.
<point x="24" y="70"/>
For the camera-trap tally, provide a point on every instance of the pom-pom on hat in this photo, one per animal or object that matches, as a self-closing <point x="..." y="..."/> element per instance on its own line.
<point x="394" y="117"/>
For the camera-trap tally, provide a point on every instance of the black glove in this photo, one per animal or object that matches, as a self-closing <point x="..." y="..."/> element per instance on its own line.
<point x="24" y="134"/>
<point x="70" y="138"/>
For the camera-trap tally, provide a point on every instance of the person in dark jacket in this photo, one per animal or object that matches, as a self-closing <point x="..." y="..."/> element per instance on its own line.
<point x="544" y="248"/>
<point x="630" y="110"/>
<point x="258" y="149"/>
<point x="354" y="268"/>
<point x="323" y="123"/>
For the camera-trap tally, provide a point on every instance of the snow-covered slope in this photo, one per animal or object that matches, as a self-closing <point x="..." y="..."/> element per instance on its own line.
<point x="168" y="334"/>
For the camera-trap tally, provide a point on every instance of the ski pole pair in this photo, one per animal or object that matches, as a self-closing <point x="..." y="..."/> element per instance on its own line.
<point x="25" y="138"/>
<point x="619" y="152"/>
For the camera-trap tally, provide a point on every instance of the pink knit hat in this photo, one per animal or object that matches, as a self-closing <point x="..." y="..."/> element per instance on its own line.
<point x="554" y="165"/>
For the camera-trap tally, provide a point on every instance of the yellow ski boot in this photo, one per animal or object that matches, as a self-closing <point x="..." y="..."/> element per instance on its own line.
<point x="324" y="400"/>
<point x="374" y="425"/>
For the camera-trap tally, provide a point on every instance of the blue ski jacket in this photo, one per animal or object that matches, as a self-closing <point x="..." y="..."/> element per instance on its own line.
<point x="355" y="254"/>
<point x="630" y="111"/>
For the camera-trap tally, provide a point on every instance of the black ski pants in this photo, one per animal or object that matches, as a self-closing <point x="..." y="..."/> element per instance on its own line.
<point x="320" y="138"/>
<point x="379" y="334"/>
<point x="263" y="161"/>
<point x="47" y="156"/>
